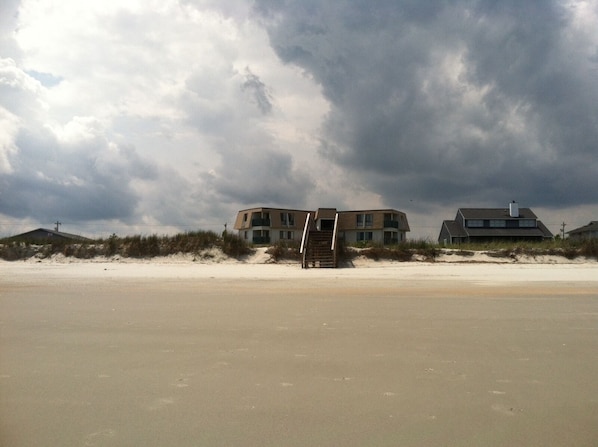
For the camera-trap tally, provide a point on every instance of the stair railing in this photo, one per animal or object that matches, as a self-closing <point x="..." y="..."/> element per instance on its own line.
<point x="333" y="244"/>
<point x="303" y="248"/>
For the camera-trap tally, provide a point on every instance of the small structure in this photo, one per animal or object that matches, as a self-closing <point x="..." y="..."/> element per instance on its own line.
<point x="44" y="235"/>
<point x="493" y="224"/>
<point x="589" y="231"/>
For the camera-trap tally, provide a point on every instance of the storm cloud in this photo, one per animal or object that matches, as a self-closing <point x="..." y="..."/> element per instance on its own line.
<point x="465" y="101"/>
<point x="168" y="115"/>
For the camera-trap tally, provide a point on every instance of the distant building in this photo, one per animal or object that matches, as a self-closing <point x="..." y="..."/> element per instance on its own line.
<point x="45" y="235"/>
<point x="589" y="231"/>
<point x="318" y="232"/>
<point x="493" y="224"/>
<point x="270" y="225"/>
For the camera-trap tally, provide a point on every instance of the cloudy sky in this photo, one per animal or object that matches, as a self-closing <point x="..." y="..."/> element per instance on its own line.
<point x="158" y="116"/>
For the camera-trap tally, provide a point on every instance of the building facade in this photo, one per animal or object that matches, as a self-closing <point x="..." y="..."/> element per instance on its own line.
<point x="270" y="225"/>
<point x="493" y="224"/>
<point x="589" y="231"/>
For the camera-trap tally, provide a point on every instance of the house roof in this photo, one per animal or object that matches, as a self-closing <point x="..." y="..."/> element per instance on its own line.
<point x="592" y="226"/>
<point x="454" y="229"/>
<point x="44" y="233"/>
<point x="495" y="213"/>
<point x="539" y="231"/>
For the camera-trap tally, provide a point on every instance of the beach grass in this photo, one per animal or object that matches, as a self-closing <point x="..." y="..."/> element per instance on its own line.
<point x="199" y="242"/>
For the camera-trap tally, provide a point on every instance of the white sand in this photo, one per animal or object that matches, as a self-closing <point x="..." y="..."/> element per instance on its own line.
<point x="218" y="352"/>
<point x="479" y="268"/>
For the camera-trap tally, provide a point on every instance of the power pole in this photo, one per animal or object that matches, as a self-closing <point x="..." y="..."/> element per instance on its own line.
<point x="57" y="223"/>
<point x="563" y="230"/>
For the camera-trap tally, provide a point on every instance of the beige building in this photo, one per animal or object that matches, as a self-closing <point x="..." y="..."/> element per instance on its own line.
<point x="270" y="225"/>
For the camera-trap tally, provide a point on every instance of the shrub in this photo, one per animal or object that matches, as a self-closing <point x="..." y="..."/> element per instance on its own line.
<point x="284" y="250"/>
<point x="233" y="245"/>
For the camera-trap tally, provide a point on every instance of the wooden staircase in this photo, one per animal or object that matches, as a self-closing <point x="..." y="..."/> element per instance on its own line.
<point x="319" y="251"/>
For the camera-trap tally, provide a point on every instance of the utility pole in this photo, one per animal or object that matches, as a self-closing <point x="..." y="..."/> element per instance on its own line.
<point x="563" y="230"/>
<point x="57" y="223"/>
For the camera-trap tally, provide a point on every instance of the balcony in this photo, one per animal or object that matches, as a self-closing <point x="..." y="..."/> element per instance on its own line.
<point x="391" y="224"/>
<point x="259" y="240"/>
<point x="260" y="222"/>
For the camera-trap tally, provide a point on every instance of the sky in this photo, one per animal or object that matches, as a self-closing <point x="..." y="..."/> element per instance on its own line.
<point x="165" y="116"/>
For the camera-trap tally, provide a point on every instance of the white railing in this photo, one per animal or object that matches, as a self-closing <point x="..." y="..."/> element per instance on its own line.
<point x="333" y="244"/>
<point x="305" y="230"/>
<point x="302" y="249"/>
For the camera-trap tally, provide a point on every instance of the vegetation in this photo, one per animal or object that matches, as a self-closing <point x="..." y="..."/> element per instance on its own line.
<point x="201" y="242"/>
<point x="130" y="246"/>
<point x="429" y="251"/>
<point x="285" y="250"/>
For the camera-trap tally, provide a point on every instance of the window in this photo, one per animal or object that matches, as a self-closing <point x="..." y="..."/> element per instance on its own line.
<point x="475" y="223"/>
<point x="364" y="220"/>
<point x="287" y="219"/>
<point x="527" y="223"/>
<point x="288" y="235"/>
<point x="365" y="236"/>
<point x="245" y="217"/>
<point x="245" y="234"/>
<point x="497" y="223"/>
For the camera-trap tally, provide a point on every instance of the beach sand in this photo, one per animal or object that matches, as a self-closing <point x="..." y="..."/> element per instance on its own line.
<point x="227" y="354"/>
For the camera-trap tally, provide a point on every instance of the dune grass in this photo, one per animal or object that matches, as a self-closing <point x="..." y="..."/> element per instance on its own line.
<point x="136" y="246"/>
<point x="196" y="242"/>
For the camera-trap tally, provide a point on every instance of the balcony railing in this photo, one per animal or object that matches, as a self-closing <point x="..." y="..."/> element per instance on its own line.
<point x="391" y="224"/>
<point x="261" y="239"/>
<point x="260" y="222"/>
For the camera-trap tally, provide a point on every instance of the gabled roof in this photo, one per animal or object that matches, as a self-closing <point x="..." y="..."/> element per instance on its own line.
<point x="592" y="226"/>
<point x="454" y="229"/>
<point x="495" y="213"/>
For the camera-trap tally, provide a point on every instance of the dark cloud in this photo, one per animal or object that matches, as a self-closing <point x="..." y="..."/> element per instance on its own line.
<point x="263" y="176"/>
<point x="90" y="181"/>
<point x="259" y="91"/>
<point x="459" y="101"/>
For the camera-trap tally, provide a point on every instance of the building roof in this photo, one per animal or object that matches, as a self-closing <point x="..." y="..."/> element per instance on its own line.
<point x="454" y="229"/>
<point x="539" y="231"/>
<point x="592" y="226"/>
<point x="495" y="213"/>
<point x="44" y="233"/>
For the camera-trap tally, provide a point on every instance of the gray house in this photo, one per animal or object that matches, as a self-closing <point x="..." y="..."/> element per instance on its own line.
<point x="589" y="231"/>
<point x="43" y="235"/>
<point x="493" y="224"/>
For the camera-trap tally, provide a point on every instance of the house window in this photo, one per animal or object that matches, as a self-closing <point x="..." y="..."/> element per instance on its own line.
<point x="365" y="236"/>
<point x="287" y="219"/>
<point x="245" y="234"/>
<point x="245" y="217"/>
<point x="497" y="223"/>
<point x="475" y="223"/>
<point x="260" y="220"/>
<point x="288" y="235"/>
<point x="364" y="220"/>
<point x="527" y="223"/>
<point x="261" y="237"/>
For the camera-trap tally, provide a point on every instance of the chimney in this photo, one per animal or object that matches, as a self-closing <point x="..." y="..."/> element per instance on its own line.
<point x="514" y="209"/>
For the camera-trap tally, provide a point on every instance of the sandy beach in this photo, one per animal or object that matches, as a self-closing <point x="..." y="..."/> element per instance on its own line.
<point x="172" y="352"/>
